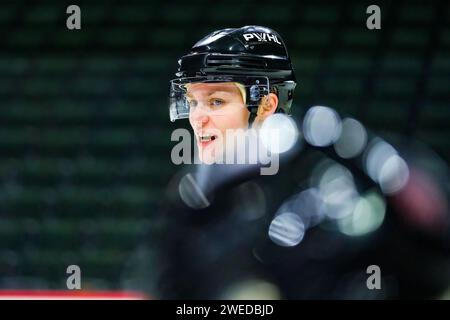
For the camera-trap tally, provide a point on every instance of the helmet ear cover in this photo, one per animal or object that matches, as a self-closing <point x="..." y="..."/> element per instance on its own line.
<point x="285" y="94"/>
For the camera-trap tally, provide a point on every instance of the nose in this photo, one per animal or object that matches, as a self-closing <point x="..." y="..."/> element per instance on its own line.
<point x="199" y="117"/>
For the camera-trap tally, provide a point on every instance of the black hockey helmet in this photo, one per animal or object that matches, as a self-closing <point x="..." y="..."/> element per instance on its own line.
<point x="253" y="56"/>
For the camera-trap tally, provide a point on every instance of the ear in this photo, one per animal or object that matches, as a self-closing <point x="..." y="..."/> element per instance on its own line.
<point x="267" y="107"/>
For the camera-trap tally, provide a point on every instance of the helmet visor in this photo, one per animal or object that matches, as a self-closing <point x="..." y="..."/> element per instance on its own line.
<point x="213" y="93"/>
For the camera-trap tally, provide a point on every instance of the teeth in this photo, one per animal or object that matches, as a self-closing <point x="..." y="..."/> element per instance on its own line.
<point x="207" y="138"/>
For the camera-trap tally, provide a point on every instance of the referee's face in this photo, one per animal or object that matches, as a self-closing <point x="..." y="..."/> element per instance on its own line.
<point x="214" y="109"/>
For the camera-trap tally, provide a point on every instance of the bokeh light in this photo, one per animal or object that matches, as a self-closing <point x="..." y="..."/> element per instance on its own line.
<point x="308" y="205"/>
<point x="321" y="126"/>
<point x="337" y="189"/>
<point x="422" y="203"/>
<point x="287" y="229"/>
<point x="279" y="133"/>
<point x="367" y="216"/>
<point x="384" y="166"/>
<point x="249" y="208"/>
<point x="393" y="175"/>
<point x="352" y="140"/>
<point x="376" y="155"/>
<point x="191" y="193"/>
<point x="252" y="289"/>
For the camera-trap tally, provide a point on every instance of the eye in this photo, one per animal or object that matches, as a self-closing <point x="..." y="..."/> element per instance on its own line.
<point x="192" y="103"/>
<point x="216" y="102"/>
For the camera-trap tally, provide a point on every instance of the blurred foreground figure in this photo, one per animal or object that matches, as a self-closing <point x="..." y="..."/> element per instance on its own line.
<point x="299" y="210"/>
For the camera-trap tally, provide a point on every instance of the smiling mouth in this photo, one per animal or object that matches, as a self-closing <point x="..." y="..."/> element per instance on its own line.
<point x="207" y="138"/>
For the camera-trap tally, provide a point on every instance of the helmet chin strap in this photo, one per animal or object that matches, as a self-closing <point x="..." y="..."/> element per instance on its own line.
<point x="253" y="114"/>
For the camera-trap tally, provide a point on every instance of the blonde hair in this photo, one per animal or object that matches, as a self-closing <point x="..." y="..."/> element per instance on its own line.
<point x="242" y="90"/>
